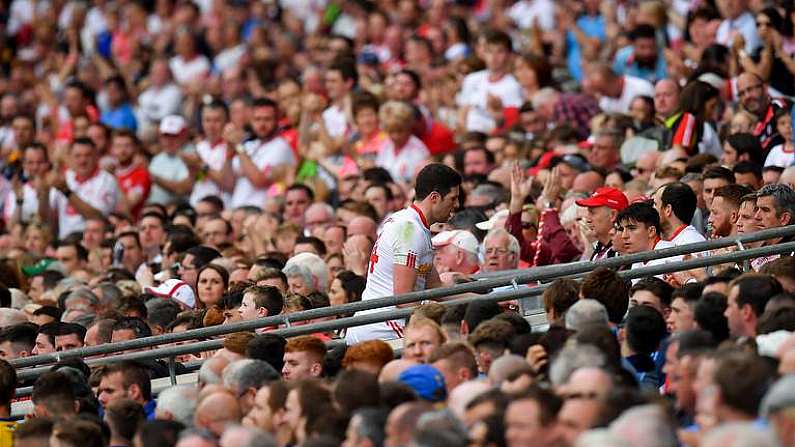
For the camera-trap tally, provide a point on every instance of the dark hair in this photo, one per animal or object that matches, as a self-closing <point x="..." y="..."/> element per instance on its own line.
<point x="268" y="297"/>
<point x="605" y="286"/>
<point x="72" y="328"/>
<point x="415" y="78"/>
<point x="159" y="433"/>
<point x="743" y="380"/>
<point x="50" y="279"/>
<point x="642" y="213"/>
<point x="268" y="348"/>
<point x="561" y="295"/>
<point x="364" y="100"/>
<point x="694" y="97"/>
<point x="316" y="243"/>
<point x="656" y="287"/>
<point x="718" y="172"/>
<point x="264" y="102"/>
<point x="748" y="167"/>
<point x="645" y="328"/>
<point x="497" y="37"/>
<point x="133" y="373"/>
<point x="22" y="334"/>
<point x="54" y="391"/>
<point x="354" y="389"/>
<point x="755" y="289"/>
<point x="301" y="187"/>
<point x="643" y="31"/>
<point x="215" y="201"/>
<point x="549" y="404"/>
<point x="347" y="70"/>
<point x="202" y="255"/>
<point x="135" y="324"/>
<point x="352" y="284"/>
<point x="745" y="143"/>
<point x="688" y="292"/>
<point x="436" y="177"/>
<point x="8" y="383"/>
<point x="82" y="253"/>
<point x="478" y="312"/>
<point x="215" y="104"/>
<point x="682" y="199"/>
<point x="84" y="141"/>
<point x="372" y="422"/>
<point x="35" y="428"/>
<point x="161" y="312"/>
<point x="733" y="194"/>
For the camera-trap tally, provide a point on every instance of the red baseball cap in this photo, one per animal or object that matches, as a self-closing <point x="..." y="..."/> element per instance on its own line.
<point x="606" y="196"/>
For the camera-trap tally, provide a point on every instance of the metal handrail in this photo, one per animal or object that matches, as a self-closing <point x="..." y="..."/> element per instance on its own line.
<point x="482" y="285"/>
<point x="360" y="320"/>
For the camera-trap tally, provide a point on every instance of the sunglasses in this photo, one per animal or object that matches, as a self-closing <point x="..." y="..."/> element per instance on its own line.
<point x="529" y="225"/>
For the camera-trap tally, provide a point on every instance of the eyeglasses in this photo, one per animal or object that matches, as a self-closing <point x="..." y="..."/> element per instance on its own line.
<point x="762" y="24"/>
<point x="529" y="225"/>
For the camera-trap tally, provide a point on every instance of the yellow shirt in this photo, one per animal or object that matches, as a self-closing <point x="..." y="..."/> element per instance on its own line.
<point x="7" y="433"/>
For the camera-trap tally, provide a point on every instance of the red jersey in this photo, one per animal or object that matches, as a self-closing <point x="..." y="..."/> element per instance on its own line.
<point x="135" y="178"/>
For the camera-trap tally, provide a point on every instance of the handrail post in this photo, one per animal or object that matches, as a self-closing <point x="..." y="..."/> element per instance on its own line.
<point x="172" y="369"/>
<point x="746" y="262"/>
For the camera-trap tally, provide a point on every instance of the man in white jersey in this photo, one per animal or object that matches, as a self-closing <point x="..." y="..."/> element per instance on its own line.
<point x="83" y="191"/>
<point x="402" y="259"/>
<point x="676" y="202"/>
<point x="23" y="205"/>
<point x="261" y="161"/>
<point x="213" y="157"/>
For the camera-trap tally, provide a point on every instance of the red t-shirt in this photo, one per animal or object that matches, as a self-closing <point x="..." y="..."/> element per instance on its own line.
<point x="135" y="178"/>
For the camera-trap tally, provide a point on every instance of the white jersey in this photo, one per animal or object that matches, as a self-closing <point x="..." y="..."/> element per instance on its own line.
<point x="30" y="204"/>
<point x="266" y="155"/>
<point x="214" y="156"/>
<point x="101" y="191"/>
<point x="660" y="245"/>
<point x="475" y="94"/>
<point x="405" y="239"/>
<point x="687" y="235"/>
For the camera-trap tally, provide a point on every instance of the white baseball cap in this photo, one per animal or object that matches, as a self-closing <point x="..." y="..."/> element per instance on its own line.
<point x="487" y="225"/>
<point x="175" y="289"/>
<point x="460" y="238"/>
<point x="172" y="125"/>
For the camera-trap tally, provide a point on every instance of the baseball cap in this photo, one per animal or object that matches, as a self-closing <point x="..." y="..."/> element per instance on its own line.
<point x="172" y="125"/>
<point x="606" y="196"/>
<point x="460" y="238"/>
<point x="489" y="224"/>
<point x="175" y="289"/>
<point x="426" y="380"/>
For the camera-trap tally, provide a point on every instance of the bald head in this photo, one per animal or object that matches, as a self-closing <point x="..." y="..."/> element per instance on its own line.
<point x="211" y="372"/>
<point x="505" y="367"/>
<point x="788" y="177"/>
<point x="587" y="182"/>
<point x="464" y="393"/>
<point x="217" y="411"/>
<point x="666" y="97"/>
<point x="363" y="226"/>
<point x="391" y="371"/>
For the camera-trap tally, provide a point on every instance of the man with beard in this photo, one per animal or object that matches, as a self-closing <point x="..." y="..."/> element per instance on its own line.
<point x="725" y="210"/>
<point x="642" y="59"/>
<point x="755" y="99"/>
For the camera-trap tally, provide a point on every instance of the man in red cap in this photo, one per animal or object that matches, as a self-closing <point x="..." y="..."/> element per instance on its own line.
<point x="603" y="206"/>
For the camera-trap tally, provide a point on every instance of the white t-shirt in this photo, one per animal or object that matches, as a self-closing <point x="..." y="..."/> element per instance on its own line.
<point x="780" y="156"/>
<point x="170" y="167"/>
<point x="336" y="121"/>
<point x="101" y="191"/>
<point x="265" y="155"/>
<point x="188" y="71"/>
<point x="403" y="164"/>
<point x="214" y="157"/>
<point x="524" y="12"/>
<point x="30" y="204"/>
<point x="687" y="235"/>
<point x="633" y="87"/>
<point x="661" y="244"/>
<point x="475" y="92"/>
<point x="405" y="239"/>
<point x="228" y="58"/>
<point x="154" y="103"/>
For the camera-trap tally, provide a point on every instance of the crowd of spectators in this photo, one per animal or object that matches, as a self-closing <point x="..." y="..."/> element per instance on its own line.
<point x="171" y="165"/>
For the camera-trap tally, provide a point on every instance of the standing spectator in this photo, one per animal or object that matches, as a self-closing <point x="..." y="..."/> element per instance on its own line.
<point x="133" y="178"/>
<point x="170" y="175"/>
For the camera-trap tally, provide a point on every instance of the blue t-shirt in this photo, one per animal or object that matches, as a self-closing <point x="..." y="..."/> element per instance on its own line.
<point x="121" y="117"/>
<point x="591" y="26"/>
<point x="624" y="64"/>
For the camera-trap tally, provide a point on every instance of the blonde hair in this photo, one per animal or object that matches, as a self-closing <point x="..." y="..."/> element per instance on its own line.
<point x="396" y="115"/>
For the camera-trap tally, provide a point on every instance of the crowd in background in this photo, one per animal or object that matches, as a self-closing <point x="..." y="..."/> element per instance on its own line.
<point x="170" y="165"/>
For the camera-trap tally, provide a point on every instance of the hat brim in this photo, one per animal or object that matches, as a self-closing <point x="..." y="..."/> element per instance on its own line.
<point x="591" y="202"/>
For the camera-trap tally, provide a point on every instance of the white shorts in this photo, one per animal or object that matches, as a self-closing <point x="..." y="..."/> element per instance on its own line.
<point x="386" y="330"/>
